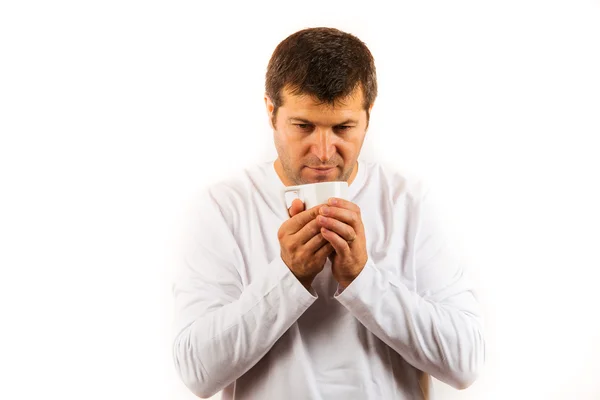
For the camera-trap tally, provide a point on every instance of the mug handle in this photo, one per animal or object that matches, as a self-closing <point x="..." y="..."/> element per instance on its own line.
<point x="289" y="189"/>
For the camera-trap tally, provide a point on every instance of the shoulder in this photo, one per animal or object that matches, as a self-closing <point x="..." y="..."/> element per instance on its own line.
<point x="233" y="196"/>
<point x="236" y="186"/>
<point x="228" y="190"/>
<point x="396" y="183"/>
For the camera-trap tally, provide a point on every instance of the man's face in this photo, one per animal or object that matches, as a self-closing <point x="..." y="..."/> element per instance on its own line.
<point x="318" y="142"/>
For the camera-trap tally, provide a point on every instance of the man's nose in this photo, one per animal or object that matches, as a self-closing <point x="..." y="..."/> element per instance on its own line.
<point x="324" y="148"/>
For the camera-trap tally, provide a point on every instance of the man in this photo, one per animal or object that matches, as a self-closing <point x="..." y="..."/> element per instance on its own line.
<point x="357" y="299"/>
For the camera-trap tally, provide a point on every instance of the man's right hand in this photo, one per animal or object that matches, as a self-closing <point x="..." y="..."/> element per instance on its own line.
<point x="303" y="248"/>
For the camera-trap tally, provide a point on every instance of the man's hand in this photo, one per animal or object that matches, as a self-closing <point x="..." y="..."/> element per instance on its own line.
<point x="341" y="225"/>
<point x="303" y="248"/>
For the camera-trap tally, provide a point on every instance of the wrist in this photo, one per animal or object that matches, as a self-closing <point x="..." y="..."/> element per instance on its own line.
<point x="344" y="284"/>
<point x="307" y="283"/>
<point x="346" y="280"/>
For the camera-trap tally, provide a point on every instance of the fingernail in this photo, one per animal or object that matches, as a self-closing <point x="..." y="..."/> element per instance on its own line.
<point x="324" y="210"/>
<point x="332" y="201"/>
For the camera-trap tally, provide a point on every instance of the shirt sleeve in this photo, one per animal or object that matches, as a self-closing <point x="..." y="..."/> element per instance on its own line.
<point x="223" y="327"/>
<point x="438" y="327"/>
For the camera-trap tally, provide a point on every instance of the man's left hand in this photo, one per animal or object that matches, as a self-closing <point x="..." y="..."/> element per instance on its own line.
<point x="341" y="225"/>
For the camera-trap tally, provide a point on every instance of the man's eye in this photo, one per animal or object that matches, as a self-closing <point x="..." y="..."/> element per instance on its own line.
<point x="303" y="126"/>
<point x="343" y="128"/>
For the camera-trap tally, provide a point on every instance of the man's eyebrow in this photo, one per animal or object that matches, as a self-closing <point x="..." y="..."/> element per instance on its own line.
<point x="305" y="121"/>
<point x="348" y="121"/>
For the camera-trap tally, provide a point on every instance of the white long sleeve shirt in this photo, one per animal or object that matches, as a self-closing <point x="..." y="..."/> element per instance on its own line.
<point x="245" y="325"/>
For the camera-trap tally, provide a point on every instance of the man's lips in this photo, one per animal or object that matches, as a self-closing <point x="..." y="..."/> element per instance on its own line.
<point x="320" y="173"/>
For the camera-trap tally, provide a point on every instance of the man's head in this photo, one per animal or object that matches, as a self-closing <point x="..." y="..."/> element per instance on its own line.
<point x="320" y="88"/>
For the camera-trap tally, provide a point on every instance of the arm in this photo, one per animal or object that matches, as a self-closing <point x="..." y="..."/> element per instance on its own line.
<point x="223" y="328"/>
<point x="438" y="327"/>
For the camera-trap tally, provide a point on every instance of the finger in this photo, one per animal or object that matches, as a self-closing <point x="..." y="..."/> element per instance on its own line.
<point x="298" y="221"/>
<point x="342" y="229"/>
<point x="296" y="208"/>
<point x="342" y="214"/>
<point x="316" y="242"/>
<point x="342" y="203"/>
<point x="308" y="232"/>
<point x="339" y="244"/>
<point x="324" y="251"/>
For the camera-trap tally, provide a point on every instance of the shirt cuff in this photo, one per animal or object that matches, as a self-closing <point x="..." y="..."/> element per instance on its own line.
<point x="364" y="280"/>
<point x="277" y="277"/>
<point x="295" y="289"/>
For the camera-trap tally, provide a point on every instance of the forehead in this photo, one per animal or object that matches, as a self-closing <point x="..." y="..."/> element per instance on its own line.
<point x="305" y="105"/>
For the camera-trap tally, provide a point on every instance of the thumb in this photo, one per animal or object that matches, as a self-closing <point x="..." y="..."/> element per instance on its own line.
<point x="296" y="208"/>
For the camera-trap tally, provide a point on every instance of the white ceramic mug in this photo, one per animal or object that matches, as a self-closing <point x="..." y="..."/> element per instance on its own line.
<point x="312" y="194"/>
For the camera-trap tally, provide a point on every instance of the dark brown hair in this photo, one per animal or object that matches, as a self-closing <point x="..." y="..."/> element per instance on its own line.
<point x="324" y="63"/>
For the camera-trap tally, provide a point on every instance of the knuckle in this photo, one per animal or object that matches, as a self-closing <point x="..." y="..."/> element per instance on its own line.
<point x="315" y="228"/>
<point x="350" y="234"/>
<point x="289" y="245"/>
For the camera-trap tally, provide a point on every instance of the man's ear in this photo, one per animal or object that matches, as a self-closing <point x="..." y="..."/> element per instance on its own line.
<point x="369" y="114"/>
<point x="270" y="107"/>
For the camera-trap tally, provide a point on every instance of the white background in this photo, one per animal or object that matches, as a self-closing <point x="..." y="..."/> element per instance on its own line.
<point x="114" y="114"/>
